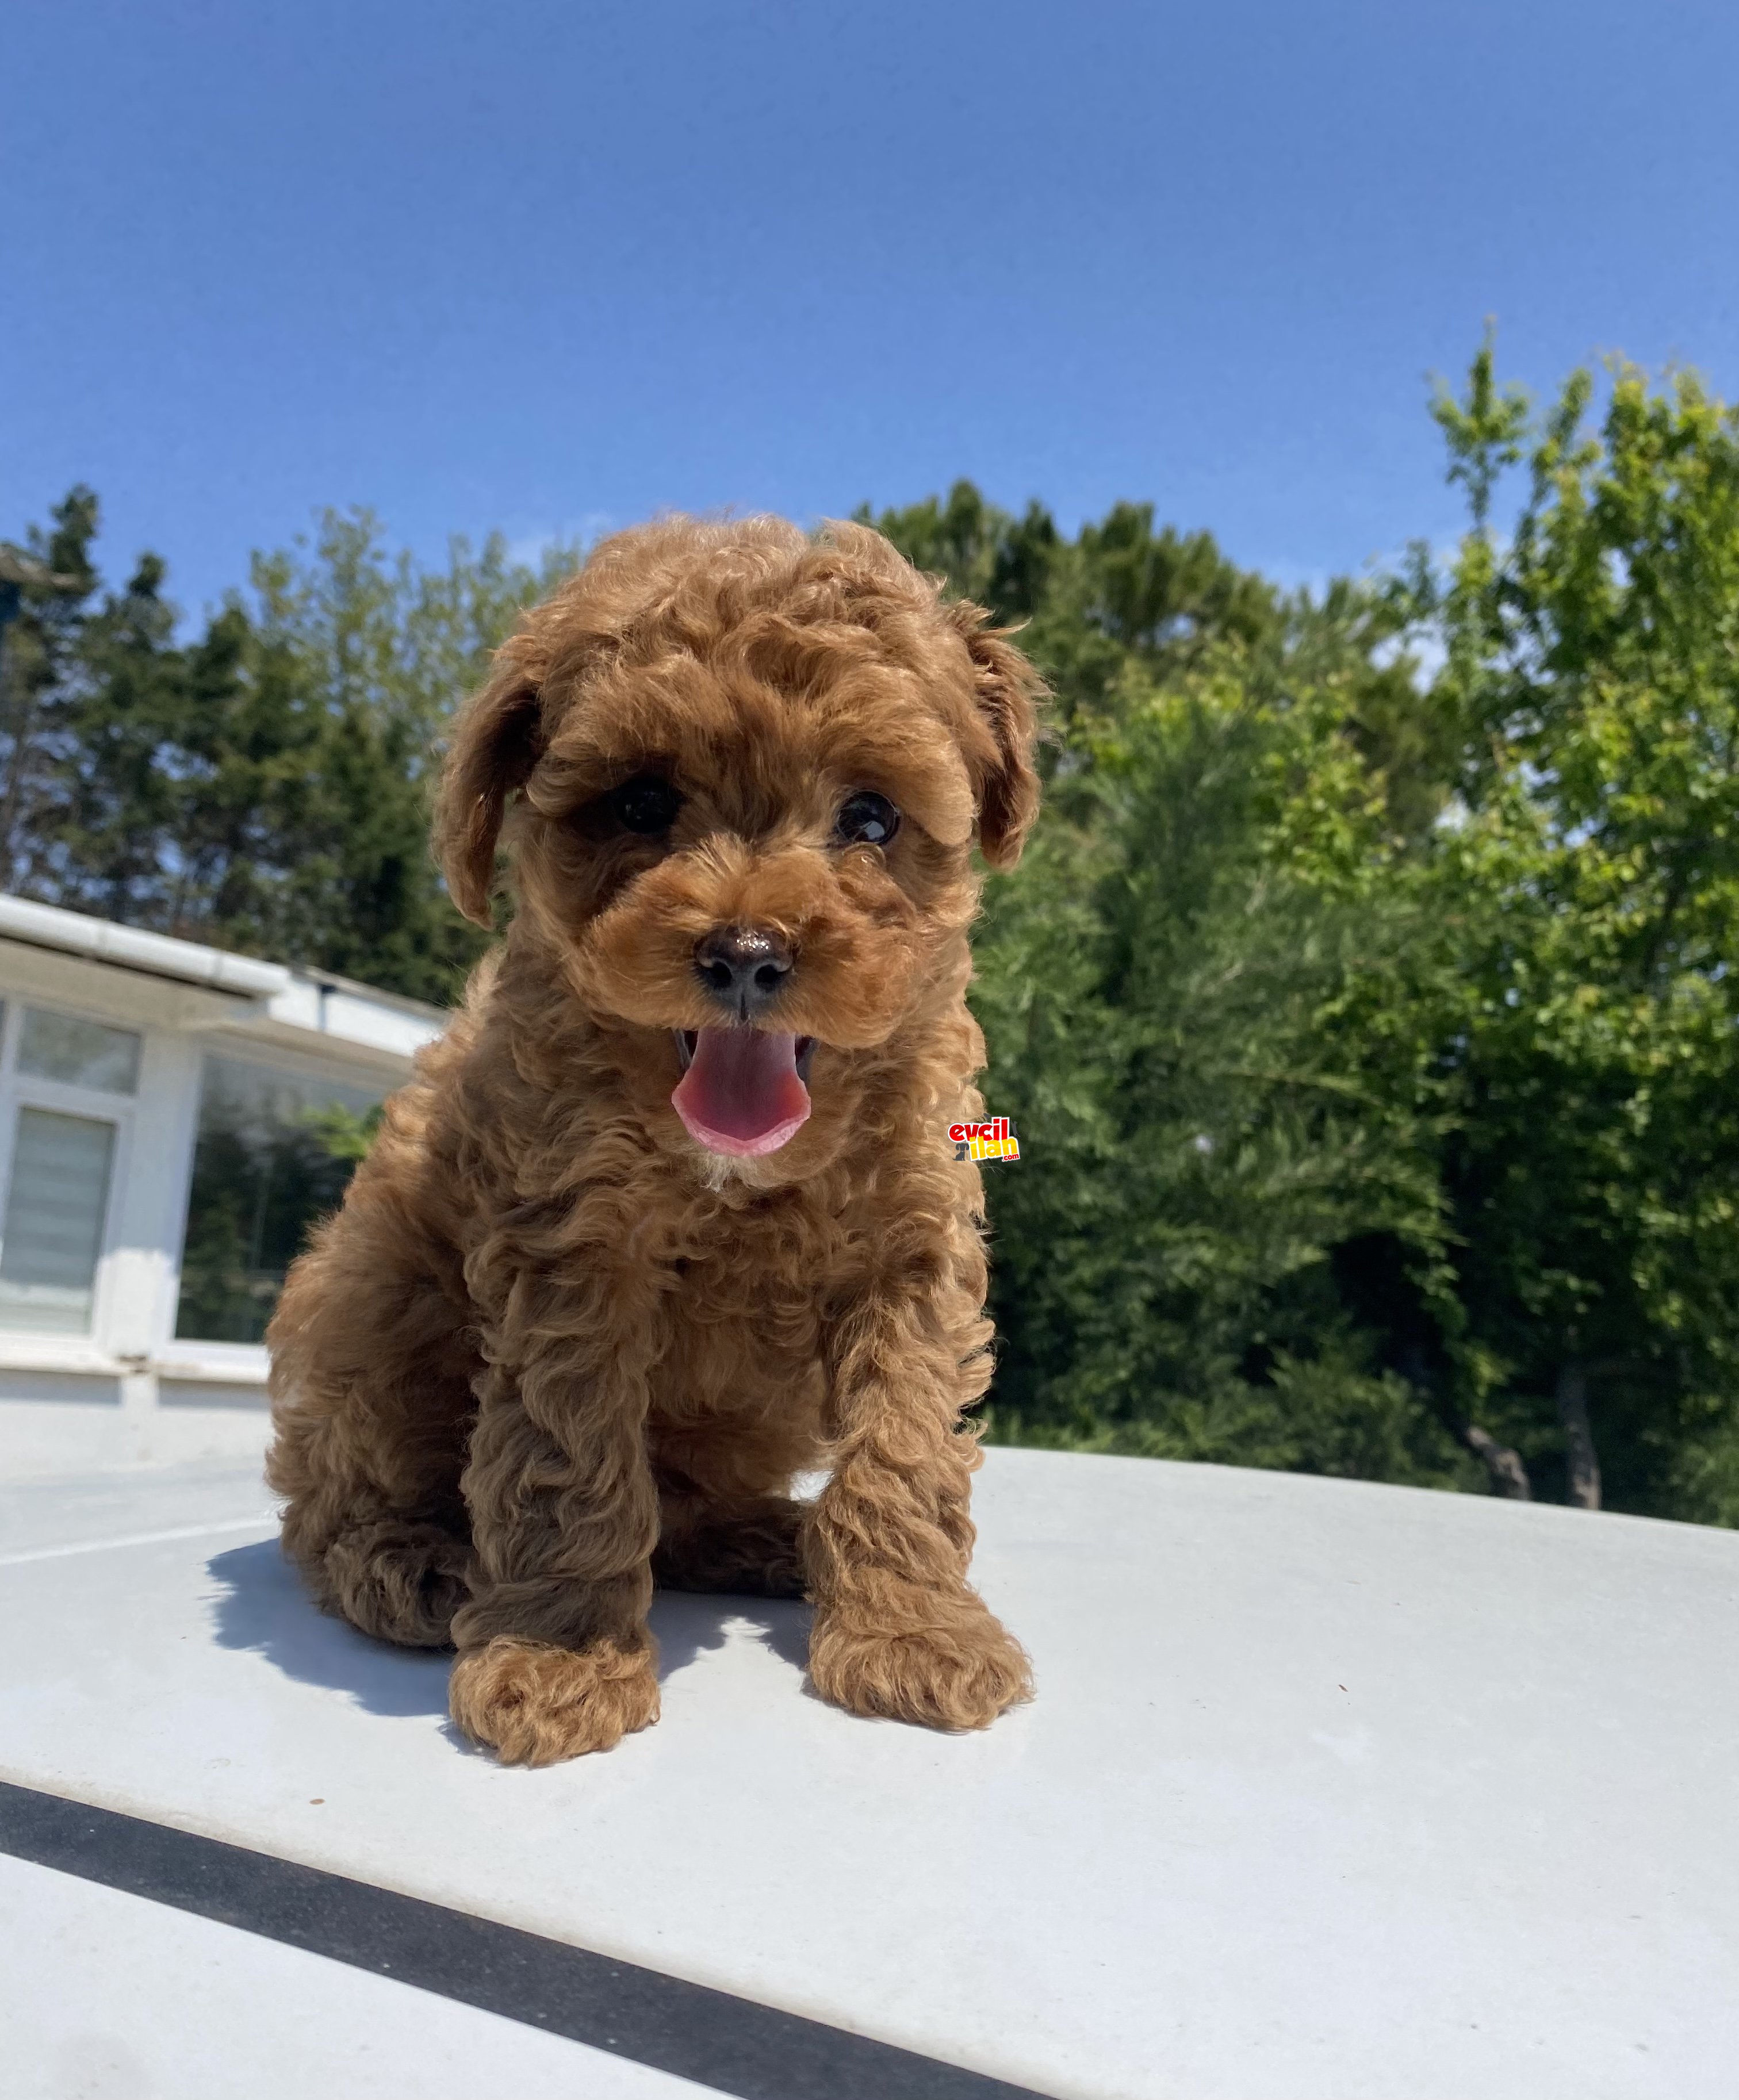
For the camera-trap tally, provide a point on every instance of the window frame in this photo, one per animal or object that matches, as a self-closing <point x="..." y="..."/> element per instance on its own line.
<point x="21" y="1090"/>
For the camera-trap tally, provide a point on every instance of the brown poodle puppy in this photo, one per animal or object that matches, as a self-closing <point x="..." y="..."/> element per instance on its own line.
<point x="670" y="1213"/>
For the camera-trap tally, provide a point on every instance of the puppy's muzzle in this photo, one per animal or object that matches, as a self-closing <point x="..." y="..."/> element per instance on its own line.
<point x="743" y="968"/>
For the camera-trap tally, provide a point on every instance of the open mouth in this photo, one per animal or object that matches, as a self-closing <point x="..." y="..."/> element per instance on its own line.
<point x="744" y="1091"/>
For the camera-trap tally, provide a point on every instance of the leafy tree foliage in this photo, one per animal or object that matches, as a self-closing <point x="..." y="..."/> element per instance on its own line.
<point x="1372" y="1035"/>
<point x="265" y="786"/>
<point x="1366" y="999"/>
<point x="1585" y="1012"/>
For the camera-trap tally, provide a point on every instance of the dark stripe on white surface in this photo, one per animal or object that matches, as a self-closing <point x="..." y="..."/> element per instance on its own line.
<point x="731" y="2044"/>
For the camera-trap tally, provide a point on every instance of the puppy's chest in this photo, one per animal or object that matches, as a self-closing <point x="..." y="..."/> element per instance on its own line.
<point x="739" y="1331"/>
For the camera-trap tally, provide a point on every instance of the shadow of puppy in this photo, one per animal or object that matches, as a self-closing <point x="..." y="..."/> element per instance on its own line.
<point x="261" y="1609"/>
<point x="688" y="1625"/>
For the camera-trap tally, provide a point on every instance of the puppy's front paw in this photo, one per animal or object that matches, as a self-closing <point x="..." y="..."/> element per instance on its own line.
<point x="535" y="1705"/>
<point x="959" y="1669"/>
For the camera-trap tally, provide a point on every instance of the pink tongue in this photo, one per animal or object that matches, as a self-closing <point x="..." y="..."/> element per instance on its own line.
<point x="741" y="1094"/>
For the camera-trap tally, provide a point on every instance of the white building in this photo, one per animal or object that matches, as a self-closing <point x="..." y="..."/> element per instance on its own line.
<point x="172" y="1117"/>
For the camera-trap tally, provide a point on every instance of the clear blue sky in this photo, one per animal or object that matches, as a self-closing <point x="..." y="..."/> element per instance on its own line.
<point x="548" y="267"/>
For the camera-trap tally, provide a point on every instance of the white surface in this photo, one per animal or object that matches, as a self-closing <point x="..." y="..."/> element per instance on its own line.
<point x="1330" y="1789"/>
<point x="45" y="1439"/>
<point x="108" y="1997"/>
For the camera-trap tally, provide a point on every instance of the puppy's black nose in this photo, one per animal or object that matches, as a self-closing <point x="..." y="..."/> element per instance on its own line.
<point x="744" y="967"/>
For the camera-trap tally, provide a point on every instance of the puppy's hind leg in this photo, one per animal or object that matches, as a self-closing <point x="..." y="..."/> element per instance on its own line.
<point x="398" y="1575"/>
<point x="371" y="1404"/>
<point x="396" y="1566"/>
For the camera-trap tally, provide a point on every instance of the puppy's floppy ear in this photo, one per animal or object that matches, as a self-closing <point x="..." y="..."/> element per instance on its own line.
<point x="1006" y="688"/>
<point x="498" y="738"/>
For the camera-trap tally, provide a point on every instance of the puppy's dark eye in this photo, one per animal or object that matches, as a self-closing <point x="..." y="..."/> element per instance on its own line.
<point x="867" y="819"/>
<point x="645" y="804"/>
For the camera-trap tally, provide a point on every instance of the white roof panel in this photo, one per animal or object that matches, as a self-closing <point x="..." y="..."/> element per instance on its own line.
<point x="1329" y="1789"/>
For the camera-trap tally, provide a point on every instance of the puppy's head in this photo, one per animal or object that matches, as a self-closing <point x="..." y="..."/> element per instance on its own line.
<point x="740" y="772"/>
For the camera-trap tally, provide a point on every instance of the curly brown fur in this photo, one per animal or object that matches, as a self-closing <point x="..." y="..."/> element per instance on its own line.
<point x="553" y="1348"/>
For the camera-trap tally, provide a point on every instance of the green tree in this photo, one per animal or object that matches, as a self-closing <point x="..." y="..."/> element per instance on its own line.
<point x="1373" y="1034"/>
<point x="1165" y="990"/>
<point x="55" y="581"/>
<point x="265" y="787"/>
<point x="1585" y="1012"/>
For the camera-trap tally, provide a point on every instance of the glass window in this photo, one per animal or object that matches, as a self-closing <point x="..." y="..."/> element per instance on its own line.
<point x="54" y="1220"/>
<point x="79" y="1053"/>
<point x="274" y="1154"/>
